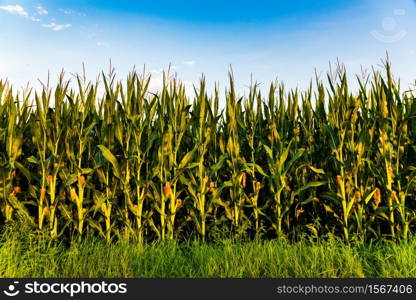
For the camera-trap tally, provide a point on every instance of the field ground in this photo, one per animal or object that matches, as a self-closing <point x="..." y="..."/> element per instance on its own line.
<point x="24" y="254"/>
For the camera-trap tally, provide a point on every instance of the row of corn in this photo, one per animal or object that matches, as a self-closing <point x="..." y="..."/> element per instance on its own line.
<point x="128" y="163"/>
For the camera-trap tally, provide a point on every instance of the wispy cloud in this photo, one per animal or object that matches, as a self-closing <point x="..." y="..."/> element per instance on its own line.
<point x="66" y="11"/>
<point x="157" y="71"/>
<point x="189" y="62"/>
<point x="56" y="27"/>
<point x="72" y="12"/>
<point x="102" y="44"/>
<point x="40" y="10"/>
<point x="20" y="11"/>
<point x="15" y="10"/>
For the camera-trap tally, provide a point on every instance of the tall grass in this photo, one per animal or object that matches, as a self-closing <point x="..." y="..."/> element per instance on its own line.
<point x="24" y="254"/>
<point x="135" y="165"/>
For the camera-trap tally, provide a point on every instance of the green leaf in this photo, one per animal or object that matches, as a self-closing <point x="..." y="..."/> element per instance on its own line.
<point x="297" y="155"/>
<point x="368" y="198"/>
<point x="284" y="156"/>
<point x="309" y="200"/>
<point x="329" y="210"/>
<point x="186" y="159"/>
<point x="71" y="179"/>
<point x="311" y="184"/>
<point x="269" y="151"/>
<point x="22" y="169"/>
<point x="192" y="165"/>
<point x="32" y="160"/>
<point x="111" y="158"/>
<point x="86" y="170"/>
<point x="257" y="168"/>
<point x="318" y="171"/>
<point x="219" y="164"/>
<point x="349" y="206"/>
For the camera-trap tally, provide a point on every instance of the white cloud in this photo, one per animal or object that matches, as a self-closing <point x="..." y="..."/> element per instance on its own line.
<point x="18" y="10"/>
<point x="102" y="44"/>
<point x="56" y="27"/>
<point x="71" y="12"/>
<point x="40" y="10"/>
<point x="189" y="62"/>
<point x="66" y="11"/>
<point x="157" y="71"/>
<point x="15" y="10"/>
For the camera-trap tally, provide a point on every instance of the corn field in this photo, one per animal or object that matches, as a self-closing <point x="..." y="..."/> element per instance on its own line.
<point x="132" y="164"/>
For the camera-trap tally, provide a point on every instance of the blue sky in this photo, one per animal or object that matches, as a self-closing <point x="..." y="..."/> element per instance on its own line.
<point x="286" y="40"/>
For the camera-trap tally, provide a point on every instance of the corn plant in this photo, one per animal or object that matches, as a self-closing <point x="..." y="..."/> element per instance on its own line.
<point x="117" y="159"/>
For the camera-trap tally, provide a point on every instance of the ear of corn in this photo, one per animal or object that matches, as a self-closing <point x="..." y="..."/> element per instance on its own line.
<point x="138" y="165"/>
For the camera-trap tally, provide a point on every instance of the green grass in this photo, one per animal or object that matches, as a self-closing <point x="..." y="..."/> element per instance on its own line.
<point x="27" y="254"/>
